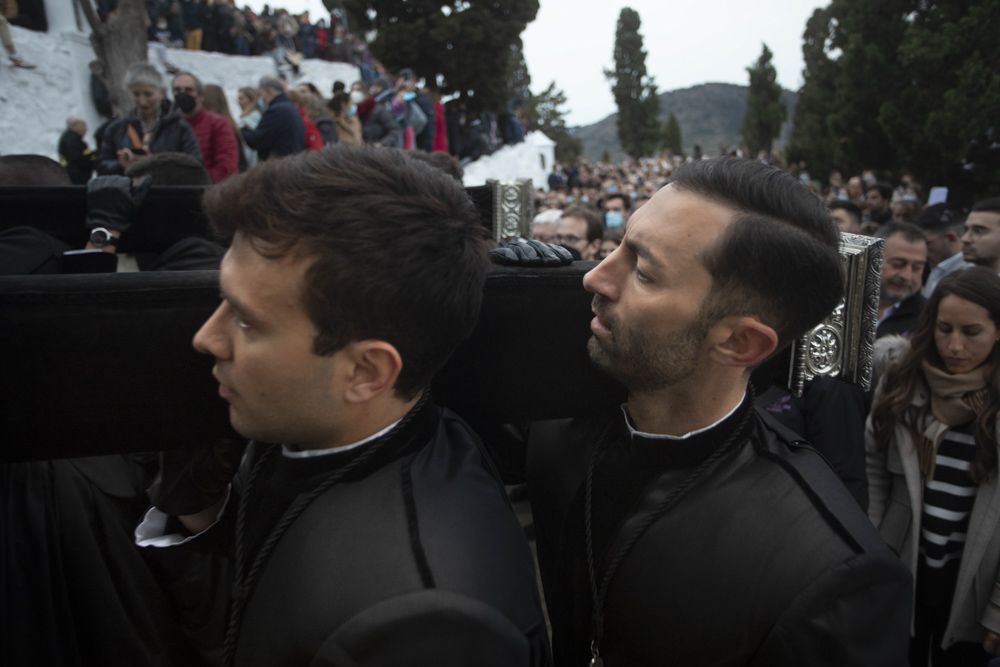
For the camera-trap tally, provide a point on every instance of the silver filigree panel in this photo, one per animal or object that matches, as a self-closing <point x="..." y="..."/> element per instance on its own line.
<point x="512" y="208"/>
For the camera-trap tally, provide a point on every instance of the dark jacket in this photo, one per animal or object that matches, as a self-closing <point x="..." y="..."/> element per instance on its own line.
<point x="381" y="129"/>
<point x="76" y="157"/>
<point x="903" y="318"/>
<point x="767" y="560"/>
<point x="171" y="134"/>
<point x="415" y="558"/>
<point x="280" y="131"/>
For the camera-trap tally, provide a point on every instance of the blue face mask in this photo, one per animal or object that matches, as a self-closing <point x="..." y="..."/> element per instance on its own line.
<point x="612" y="189"/>
<point x="614" y="219"/>
<point x="633" y="195"/>
<point x="585" y="199"/>
<point x="409" y="95"/>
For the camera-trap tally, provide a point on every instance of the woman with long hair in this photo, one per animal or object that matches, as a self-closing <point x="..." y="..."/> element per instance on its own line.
<point x="214" y="99"/>
<point x="932" y="443"/>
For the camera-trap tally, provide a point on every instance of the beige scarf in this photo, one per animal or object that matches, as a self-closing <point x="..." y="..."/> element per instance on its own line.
<point x="956" y="399"/>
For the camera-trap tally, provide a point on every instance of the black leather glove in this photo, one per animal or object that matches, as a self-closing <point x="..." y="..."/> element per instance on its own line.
<point x="112" y="201"/>
<point x="192" y="480"/>
<point x="519" y="252"/>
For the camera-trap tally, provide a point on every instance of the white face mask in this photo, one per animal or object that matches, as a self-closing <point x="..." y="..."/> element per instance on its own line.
<point x="357" y="96"/>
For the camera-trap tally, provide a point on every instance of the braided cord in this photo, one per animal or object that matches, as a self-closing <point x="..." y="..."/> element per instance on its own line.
<point x="243" y="583"/>
<point x="599" y="590"/>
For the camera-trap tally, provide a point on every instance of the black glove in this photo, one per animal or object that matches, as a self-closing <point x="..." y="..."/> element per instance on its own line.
<point x="192" y="480"/>
<point x="112" y="200"/>
<point x="519" y="252"/>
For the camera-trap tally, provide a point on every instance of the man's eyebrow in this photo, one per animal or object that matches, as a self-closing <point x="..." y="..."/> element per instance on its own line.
<point x="641" y="250"/>
<point x="237" y="305"/>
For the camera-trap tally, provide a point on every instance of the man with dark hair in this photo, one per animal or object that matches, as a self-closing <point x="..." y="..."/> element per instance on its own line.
<point x="219" y="148"/>
<point x="878" y="200"/>
<point x="581" y="229"/>
<point x="943" y="228"/>
<point x="616" y="208"/>
<point x="378" y="532"/>
<point x="903" y="263"/>
<point x="686" y="528"/>
<point x="981" y="240"/>
<point x="280" y="130"/>
<point x="846" y="216"/>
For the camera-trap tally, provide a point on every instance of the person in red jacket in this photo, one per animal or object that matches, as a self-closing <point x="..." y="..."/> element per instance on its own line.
<point x="219" y="149"/>
<point x="314" y="139"/>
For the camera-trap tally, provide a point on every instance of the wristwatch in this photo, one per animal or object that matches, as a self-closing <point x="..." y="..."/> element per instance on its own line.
<point x="102" y="236"/>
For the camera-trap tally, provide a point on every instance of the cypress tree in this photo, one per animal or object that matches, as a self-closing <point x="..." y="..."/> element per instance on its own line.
<point x="765" y="111"/>
<point x="634" y="91"/>
<point x="672" y="135"/>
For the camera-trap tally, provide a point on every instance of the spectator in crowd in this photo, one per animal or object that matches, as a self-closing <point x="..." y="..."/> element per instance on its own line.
<point x="610" y="241"/>
<point x="151" y="127"/>
<point x="313" y="138"/>
<point x="981" y="240"/>
<point x="345" y="114"/>
<point x="943" y="228"/>
<point x="728" y="264"/>
<point x="194" y="13"/>
<point x="846" y="215"/>
<point x="214" y="100"/>
<point x="281" y="130"/>
<point x="74" y="154"/>
<point x="905" y="207"/>
<point x="932" y="441"/>
<point x="317" y="113"/>
<point x="379" y="127"/>
<point x="616" y="210"/>
<point x="904" y="259"/>
<point x="219" y="146"/>
<point x="877" y="203"/>
<point x="324" y="342"/>
<point x="580" y="229"/>
<point x="99" y="90"/>
<point x="544" y="226"/>
<point x="8" y="44"/>
<point x="250" y="114"/>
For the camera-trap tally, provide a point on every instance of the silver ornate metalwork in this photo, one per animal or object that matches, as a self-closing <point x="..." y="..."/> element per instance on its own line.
<point x="842" y="344"/>
<point x="512" y="208"/>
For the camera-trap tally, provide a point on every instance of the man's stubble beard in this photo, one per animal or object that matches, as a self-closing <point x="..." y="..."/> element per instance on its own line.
<point x="643" y="363"/>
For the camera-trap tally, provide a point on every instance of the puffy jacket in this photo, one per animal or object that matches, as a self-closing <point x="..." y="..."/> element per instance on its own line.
<point x="171" y="134"/>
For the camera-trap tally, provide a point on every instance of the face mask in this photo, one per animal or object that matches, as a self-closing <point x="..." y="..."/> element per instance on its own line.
<point x="614" y="219"/>
<point x="185" y="102"/>
<point x="633" y="195"/>
<point x="584" y="199"/>
<point x="409" y="95"/>
<point x="260" y="104"/>
<point x="612" y="189"/>
<point x="357" y="96"/>
<point x="569" y="199"/>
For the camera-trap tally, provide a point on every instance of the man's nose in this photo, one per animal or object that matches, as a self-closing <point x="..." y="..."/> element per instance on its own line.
<point x="212" y="338"/>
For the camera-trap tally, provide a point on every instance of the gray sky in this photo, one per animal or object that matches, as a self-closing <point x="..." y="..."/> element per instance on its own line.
<point x="687" y="43"/>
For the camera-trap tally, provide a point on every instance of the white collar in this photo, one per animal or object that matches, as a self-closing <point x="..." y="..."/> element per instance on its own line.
<point x="663" y="436"/>
<point x="312" y="453"/>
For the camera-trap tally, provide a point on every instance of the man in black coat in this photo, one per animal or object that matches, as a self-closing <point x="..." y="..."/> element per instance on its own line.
<point x="377" y="532"/>
<point x="903" y="264"/>
<point x="74" y="154"/>
<point x="280" y="130"/>
<point x="686" y="527"/>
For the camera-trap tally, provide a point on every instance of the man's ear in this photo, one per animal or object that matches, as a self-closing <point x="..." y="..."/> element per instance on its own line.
<point x="373" y="367"/>
<point x="741" y="340"/>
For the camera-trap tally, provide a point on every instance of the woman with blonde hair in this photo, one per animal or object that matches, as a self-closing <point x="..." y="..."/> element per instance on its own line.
<point x="932" y="442"/>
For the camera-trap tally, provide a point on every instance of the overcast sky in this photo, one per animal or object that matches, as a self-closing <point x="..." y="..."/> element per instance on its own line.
<point x="687" y="43"/>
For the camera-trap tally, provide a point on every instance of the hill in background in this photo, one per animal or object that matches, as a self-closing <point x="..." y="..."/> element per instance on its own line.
<point x="710" y="115"/>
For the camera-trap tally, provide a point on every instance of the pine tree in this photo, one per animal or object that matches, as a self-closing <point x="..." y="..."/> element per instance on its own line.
<point x="765" y="110"/>
<point x="634" y="92"/>
<point x="467" y="45"/>
<point x="672" y="135"/>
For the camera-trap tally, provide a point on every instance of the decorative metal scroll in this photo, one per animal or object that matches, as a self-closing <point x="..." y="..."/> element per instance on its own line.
<point x="842" y="344"/>
<point x="512" y="208"/>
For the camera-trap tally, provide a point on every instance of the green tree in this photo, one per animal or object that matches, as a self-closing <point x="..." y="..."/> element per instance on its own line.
<point x="672" y="135"/>
<point x="635" y="92"/>
<point x="951" y="93"/>
<point x="867" y="36"/>
<point x="765" y="110"/>
<point x="544" y="112"/>
<point x="466" y="45"/>
<point x="812" y="140"/>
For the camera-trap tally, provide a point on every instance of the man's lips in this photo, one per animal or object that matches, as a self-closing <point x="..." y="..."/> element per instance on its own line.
<point x="224" y="392"/>
<point x="598" y="326"/>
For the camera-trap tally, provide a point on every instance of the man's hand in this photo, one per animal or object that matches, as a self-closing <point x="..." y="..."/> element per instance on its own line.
<point x="194" y="480"/>
<point x="992" y="643"/>
<point x="112" y="201"/>
<point x="520" y="252"/>
<point x="126" y="158"/>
